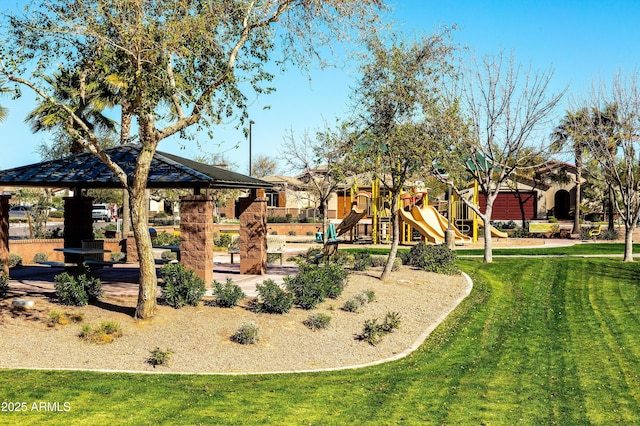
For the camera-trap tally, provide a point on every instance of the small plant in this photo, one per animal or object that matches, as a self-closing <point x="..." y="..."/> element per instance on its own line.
<point x="373" y="331"/>
<point x="227" y="295"/>
<point x="4" y="285"/>
<point x="246" y="334"/>
<point x="313" y="284"/>
<point x="40" y="257"/>
<point x="181" y="286"/>
<point x="272" y="298"/>
<point x="359" y="300"/>
<point x="63" y="318"/>
<point x="117" y="256"/>
<point x="293" y="233"/>
<point x="168" y="256"/>
<point x="317" y="321"/>
<point x="352" y="305"/>
<point x="165" y="239"/>
<point x="14" y="260"/>
<point x="362" y="260"/>
<point x="609" y="235"/>
<point x="160" y="357"/>
<point x="106" y="332"/>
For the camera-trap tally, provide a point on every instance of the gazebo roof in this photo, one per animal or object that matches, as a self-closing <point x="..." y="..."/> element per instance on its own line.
<point x="87" y="171"/>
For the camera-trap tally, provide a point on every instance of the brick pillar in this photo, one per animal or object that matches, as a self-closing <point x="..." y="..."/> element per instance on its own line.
<point x="78" y="223"/>
<point x="196" y="235"/>
<point x="253" y="235"/>
<point x="4" y="232"/>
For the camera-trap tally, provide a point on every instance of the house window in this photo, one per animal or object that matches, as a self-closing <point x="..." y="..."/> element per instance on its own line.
<point x="272" y="199"/>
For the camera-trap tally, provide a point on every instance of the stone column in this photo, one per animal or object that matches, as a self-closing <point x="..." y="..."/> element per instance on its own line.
<point x="196" y="235"/>
<point x="78" y="223"/>
<point x="4" y="232"/>
<point x="252" y="212"/>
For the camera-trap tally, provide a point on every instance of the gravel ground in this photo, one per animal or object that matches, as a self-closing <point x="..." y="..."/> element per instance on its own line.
<point x="199" y="337"/>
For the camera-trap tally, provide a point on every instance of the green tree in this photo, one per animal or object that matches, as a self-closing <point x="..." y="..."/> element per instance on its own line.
<point x="399" y="111"/>
<point x="177" y="64"/>
<point x="508" y="107"/>
<point x="573" y="130"/>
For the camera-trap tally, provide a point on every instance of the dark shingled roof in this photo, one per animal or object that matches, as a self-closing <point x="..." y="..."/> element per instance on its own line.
<point x="88" y="171"/>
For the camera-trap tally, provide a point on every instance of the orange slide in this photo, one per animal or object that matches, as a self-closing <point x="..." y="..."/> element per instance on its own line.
<point x="431" y="224"/>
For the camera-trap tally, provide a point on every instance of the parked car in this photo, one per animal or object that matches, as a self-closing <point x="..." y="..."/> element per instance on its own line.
<point x="20" y="213"/>
<point x="101" y="212"/>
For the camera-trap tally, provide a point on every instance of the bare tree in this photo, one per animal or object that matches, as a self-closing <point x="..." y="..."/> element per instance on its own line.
<point x="614" y="125"/>
<point x="508" y="107"/>
<point x="264" y="166"/>
<point x="320" y="164"/>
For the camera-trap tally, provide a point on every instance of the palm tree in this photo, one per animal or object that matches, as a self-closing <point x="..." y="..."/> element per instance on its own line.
<point x="86" y="98"/>
<point x="574" y="129"/>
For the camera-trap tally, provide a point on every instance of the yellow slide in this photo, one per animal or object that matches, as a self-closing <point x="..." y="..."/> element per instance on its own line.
<point x="496" y="232"/>
<point x="431" y="224"/>
<point x="350" y="221"/>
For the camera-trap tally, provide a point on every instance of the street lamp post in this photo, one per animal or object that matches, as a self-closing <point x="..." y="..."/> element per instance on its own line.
<point x="251" y="123"/>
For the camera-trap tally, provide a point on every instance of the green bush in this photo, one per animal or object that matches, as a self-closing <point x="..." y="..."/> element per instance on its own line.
<point x="359" y="300"/>
<point x="106" y="332"/>
<point x="40" y="257"/>
<point x="77" y="289"/>
<point x="293" y="233"/>
<point x="221" y="240"/>
<point x="246" y="334"/>
<point x="160" y="357"/>
<point x="4" y="285"/>
<point x="56" y="214"/>
<point x="15" y="260"/>
<point x="181" y="286"/>
<point x="317" y="321"/>
<point x="362" y="260"/>
<point x="609" y="235"/>
<point x="227" y="295"/>
<point x="272" y="298"/>
<point x="165" y="239"/>
<point x="117" y="256"/>
<point x="168" y="255"/>
<point x="373" y="332"/>
<point x="432" y="258"/>
<point x="313" y="284"/>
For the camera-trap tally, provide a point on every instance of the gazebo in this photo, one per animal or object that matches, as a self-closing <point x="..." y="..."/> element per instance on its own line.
<point x="85" y="171"/>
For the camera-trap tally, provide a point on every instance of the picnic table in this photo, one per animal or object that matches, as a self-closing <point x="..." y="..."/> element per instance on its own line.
<point x="82" y="254"/>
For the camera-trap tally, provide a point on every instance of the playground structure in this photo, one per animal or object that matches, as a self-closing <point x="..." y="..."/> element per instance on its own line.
<point x="430" y="224"/>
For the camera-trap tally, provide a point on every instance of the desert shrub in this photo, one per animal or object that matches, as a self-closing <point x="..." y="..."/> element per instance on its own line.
<point x="609" y="235"/>
<point x="352" y="305"/>
<point x="160" y="357"/>
<point x="272" y="298"/>
<point x="221" y="239"/>
<point x="309" y="234"/>
<point x="181" y="286"/>
<point x="56" y="214"/>
<point x="293" y="233"/>
<point x="79" y="287"/>
<point x="63" y="318"/>
<point x="519" y="233"/>
<point x="317" y="321"/>
<point x="584" y="233"/>
<point x="117" y="256"/>
<point x="432" y="258"/>
<point x="359" y="300"/>
<point x="272" y="258"/>
<point x="106" y="332"/>
<point x="362" y="260"/>
<point x="40" y="257"/>
<point x="4" y="285"/>
<point x="246" y="334"/>
<point x="373" y="332"/>
<point x="313" y="284"/>
<point x="165" y="239"/>
<point x="378" y="260"/>
<point x="169" y="255"/>
<point x="15" y="260"/>
<point x="227" y="295"/>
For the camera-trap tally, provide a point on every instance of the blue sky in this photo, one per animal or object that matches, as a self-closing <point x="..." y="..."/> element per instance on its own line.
<point x="583" y="41"/>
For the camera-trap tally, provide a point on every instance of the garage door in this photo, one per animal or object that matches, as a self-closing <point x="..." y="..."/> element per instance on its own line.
<point x="510" y="205"/>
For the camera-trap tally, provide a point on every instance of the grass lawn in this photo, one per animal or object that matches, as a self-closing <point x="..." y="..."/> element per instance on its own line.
<point x="538" y="341"/>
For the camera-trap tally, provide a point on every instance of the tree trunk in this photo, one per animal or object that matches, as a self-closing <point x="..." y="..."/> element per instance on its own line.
<point x="125" y="138"/>
<point x="139" y="216"/>
<point x="488" y="253"/>
<point x="394" y="241"/>
<point x="576" y="208"/>
<point x="610" y="210"/>
<point x="628" y="243"/>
